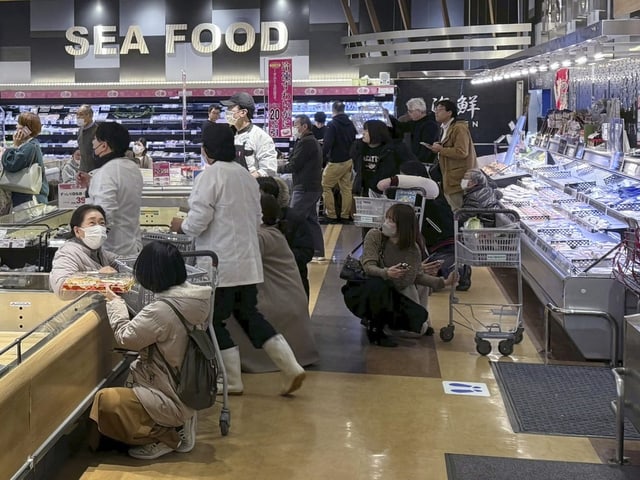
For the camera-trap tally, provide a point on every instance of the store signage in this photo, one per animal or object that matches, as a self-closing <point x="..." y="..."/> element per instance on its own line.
<point x="105" y="38"/>
<point x="161" y="173"/>
<point x="465" y="104"/>
<point x="70" y="196"/>
<point x="280" y="97"/>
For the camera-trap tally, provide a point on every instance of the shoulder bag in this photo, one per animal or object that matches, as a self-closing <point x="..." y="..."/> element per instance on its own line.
<point x="28" y="180"/>
<point x="352" y="269"/>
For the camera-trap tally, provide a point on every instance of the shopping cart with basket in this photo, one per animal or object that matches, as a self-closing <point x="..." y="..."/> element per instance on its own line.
<point x="370" y="211"/>
<point x="488" y="247"/>
<point x="138" y="297"/>
<point x="182" y="242"/>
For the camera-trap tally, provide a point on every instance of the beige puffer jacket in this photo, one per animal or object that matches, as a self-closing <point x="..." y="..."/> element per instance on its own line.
<point x="158" y="324"/>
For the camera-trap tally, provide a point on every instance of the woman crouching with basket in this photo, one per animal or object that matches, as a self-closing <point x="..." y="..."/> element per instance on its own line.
<point x="392" y="260"/>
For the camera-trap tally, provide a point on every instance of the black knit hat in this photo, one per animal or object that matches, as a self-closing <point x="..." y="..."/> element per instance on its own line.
<point x="217" y="140"/>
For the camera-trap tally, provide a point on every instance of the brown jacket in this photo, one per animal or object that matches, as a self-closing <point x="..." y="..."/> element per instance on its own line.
<point x="457" y="156"/>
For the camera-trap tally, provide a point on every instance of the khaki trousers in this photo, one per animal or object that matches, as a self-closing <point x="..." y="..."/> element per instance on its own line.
<point x="120" y="415"/>
<point x="337" y="174"/>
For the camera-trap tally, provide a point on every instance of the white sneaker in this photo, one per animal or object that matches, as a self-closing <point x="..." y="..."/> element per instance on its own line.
<point x="150" y="451"/>
<point x="188" y="435"/>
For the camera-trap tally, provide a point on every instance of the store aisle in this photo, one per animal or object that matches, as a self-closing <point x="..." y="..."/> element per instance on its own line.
<point x="364" y="412"/>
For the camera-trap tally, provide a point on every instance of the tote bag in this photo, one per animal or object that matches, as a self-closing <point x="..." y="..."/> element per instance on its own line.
<point x="28" y="180"/>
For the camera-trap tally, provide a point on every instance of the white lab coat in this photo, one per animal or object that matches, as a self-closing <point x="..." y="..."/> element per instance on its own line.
<point x="117" y="187"/>
<point x="224" y="215"/>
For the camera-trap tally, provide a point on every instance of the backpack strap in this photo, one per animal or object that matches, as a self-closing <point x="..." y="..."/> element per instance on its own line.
<point x="175" y="373"/>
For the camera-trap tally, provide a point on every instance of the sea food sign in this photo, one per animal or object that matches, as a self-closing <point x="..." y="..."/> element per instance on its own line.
<point x="104" y="38"/>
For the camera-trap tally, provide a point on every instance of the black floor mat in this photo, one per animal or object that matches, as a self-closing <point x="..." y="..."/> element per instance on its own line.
<point x="475" y="467"/>
<point x="560" y="399"/>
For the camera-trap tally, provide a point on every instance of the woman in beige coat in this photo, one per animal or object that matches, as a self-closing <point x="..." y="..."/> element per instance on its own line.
<point x="147" y="413"/>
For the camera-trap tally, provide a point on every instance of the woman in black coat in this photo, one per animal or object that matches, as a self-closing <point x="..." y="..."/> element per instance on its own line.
<point x="377" y="156"/>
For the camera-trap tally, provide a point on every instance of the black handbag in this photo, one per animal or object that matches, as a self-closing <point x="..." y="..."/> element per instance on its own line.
<point x="352" y="270"/>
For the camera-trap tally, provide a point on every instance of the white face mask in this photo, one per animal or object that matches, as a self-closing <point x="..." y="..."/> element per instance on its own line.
<point x="95" y="236"/>
<point x="389" y="230"/>
<point x="80" y="122"/>
<point x="231" y="120"/>
<point x="296" y="134"/>
<point x="138" y="149"/>
<point x="464" y="183"/>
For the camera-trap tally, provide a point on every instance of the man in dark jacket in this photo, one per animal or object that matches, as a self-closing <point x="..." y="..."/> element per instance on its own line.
<point x="305" y="163"/>
<point x="86" y="132"/>
<point x="338" y="138"/>
<point x="423" y="128"/>
<point x="319" y="127"/>
<point x="479" y="192"/>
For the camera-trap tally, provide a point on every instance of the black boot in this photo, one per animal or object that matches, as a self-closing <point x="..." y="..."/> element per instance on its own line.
<point x="464" y="283"/>
<point x="378" y="337"/>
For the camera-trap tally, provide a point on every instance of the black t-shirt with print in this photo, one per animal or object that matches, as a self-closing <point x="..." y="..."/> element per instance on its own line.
<point x="370" y="159"/>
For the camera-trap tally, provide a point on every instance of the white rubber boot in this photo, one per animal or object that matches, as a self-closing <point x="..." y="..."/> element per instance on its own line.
<point x="231" y="359"/>
<point x="281" y="354"/>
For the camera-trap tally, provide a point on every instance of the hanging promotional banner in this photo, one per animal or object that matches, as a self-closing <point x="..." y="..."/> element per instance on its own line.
<point x="280" y="98"/>
<point x="561" y="89"/>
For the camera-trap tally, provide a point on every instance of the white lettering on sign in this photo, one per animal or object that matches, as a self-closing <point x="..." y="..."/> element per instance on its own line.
<point x="465" y="104"/>
<point x="19" y="304"/>
<point x="105" y="38"/>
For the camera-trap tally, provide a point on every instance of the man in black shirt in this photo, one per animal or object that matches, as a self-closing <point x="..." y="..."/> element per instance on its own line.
<point x="423" y="129"/>
<point x="319" y="128"/>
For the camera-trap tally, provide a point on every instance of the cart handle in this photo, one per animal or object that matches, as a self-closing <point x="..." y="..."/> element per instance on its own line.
<point x="506" y="211"/>
<point x="203" y="253"/>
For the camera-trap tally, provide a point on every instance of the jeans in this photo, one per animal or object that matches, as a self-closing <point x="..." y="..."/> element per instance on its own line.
<point x="306" y="203"/>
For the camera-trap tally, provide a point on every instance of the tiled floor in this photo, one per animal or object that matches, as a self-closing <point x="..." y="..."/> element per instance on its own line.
<point x="364" y="412"/>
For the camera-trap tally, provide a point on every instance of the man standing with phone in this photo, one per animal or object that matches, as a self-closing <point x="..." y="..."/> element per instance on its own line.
<point x="456" y="152"/>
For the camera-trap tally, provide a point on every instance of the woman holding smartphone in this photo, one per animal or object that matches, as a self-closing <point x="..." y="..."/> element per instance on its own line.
<point x="26" y="151"/>
<point x="392" y="259"/>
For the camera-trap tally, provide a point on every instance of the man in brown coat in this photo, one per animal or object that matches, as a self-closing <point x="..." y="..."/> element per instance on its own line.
<point x="456" y="152"/>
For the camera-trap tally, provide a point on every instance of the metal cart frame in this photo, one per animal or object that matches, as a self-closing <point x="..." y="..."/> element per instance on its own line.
<point x="488" y="247"/>
<point x="370" y="211"/>
<point x="138" y="297"/>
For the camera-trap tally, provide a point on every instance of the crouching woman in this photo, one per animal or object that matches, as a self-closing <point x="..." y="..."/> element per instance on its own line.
<point x="147" y="414"/>
<point x="389" y="296"/>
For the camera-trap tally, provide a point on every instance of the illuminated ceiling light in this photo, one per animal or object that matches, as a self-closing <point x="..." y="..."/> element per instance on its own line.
<point x="598" y="55"/>
<point x="533" y="70"/>
<point x="566" y="63"/>
<point x="543" y="67"/>
<point x="554" y="66"/>
<point x="581" y="60"/>
<point x="524" y="71"/>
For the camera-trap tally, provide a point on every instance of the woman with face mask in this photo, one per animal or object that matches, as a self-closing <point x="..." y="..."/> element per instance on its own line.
<point x="83" y="251"/>
<point x="142" y="158"/>
<point x="392" y="257"/>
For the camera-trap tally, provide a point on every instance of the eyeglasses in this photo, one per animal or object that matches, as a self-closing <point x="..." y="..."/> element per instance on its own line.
<point x="440" y="109"/>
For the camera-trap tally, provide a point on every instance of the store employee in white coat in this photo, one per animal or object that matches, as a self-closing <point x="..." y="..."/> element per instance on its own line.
<point x="116" y="185"/>
<point x="224" y="216"/>
<point x="254" y="147"/>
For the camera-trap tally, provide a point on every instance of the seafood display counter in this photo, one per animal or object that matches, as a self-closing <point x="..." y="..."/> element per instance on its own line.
<point x="54" y="356"/>
<point x="575" y="212"/>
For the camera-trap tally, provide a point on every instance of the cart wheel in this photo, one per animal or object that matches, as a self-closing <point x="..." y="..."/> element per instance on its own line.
<point x="505" y="347"/>
<point x="483" y="347"/>
<point x="518" y="336"/>
<point x="225" y="423"/>
<point x="446" y="333"/>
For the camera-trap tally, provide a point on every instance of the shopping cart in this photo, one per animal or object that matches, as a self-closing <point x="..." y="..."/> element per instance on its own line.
<point x="182" y="242"/>
<point x="488" y="247"/>
<point x="370" y="211"/>
<point x="139" y="296"/>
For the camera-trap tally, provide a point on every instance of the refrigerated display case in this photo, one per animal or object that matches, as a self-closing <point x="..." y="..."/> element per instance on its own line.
<point x="574" y="211"/>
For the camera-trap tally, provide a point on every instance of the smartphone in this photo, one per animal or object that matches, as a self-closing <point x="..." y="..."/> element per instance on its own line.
<point x="403" y="266"/>
<point x="428" y="145"/>
<point x="26" y="131"/>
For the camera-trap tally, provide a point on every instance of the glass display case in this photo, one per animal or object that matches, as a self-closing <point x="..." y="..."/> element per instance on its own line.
<point x="574" y="210"/>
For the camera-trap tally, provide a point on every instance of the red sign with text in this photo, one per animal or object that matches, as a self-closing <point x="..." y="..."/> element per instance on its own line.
<point x="280" y="98"/>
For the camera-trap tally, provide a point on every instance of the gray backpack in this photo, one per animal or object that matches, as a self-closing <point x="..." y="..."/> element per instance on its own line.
<point x="196" y="380"/>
